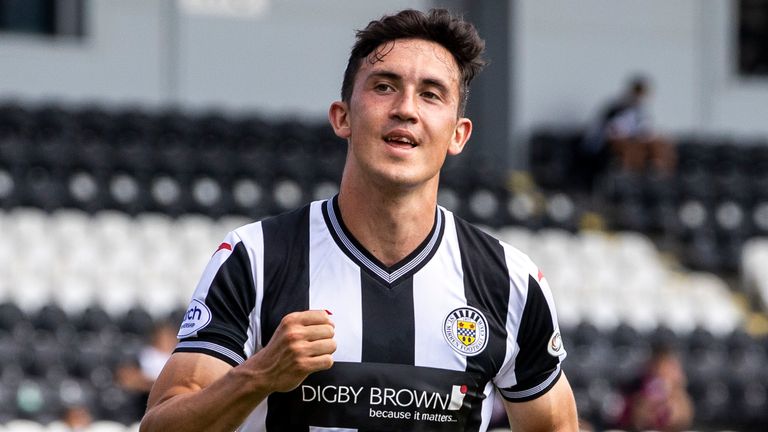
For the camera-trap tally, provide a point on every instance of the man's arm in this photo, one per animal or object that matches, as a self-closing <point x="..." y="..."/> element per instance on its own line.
<point x="554" y="411"/>
<point x="197" y="392"/>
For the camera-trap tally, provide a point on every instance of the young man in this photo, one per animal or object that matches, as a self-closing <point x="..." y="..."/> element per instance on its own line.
<point x="376" y="309"/>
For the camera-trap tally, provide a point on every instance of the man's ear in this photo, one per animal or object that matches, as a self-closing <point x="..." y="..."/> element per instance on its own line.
<point x="460" y="136"/>
<point x="338" y="115"/>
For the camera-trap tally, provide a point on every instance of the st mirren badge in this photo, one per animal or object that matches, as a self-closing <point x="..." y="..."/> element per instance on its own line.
<point x="466" y="330"/>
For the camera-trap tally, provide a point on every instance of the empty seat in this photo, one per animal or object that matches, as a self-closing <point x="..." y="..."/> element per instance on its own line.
<point x="23" y="425"/>
<point x="107" y="426"/>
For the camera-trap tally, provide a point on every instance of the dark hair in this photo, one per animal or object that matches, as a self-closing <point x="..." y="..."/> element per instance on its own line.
<point x="459" y="37"/>
<point x="638" y="84"/>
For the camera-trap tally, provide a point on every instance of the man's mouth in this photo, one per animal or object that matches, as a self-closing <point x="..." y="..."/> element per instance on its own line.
<point x="401" y="141"/>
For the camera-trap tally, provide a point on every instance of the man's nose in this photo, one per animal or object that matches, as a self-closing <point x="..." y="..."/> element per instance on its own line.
<point x="405" y="108"/>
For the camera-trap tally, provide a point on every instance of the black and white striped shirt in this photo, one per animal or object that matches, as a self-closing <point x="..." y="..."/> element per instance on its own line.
<point x="421" y="345"/>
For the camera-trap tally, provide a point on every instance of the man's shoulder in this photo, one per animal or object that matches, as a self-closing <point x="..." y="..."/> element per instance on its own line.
<point x="286" y="225"/>
<point x="288" y="218"/>
<point x="481" y="235"/>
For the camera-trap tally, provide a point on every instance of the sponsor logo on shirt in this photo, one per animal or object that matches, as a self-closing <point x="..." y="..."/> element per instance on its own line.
<point x="391" y="403"/>
<point x="382" y="396"/>
<point x="466" y="330"/>
<point x="196" y="318"/>
<point x="385" y="396"/>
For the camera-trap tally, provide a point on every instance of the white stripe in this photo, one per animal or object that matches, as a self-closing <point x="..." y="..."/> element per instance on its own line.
<point x="252" y="236"/>
<point x="438" y="288"/>
<point x="488" y="405"/>
<point x="213" y="347"/>
<point x="518" y="265"/>
<point x="335" y="286"/>
<point x="532" y="391"/>
<point x="212" y="268"/>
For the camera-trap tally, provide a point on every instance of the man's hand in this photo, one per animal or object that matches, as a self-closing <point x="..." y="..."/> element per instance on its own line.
<point x="303" y="343"/>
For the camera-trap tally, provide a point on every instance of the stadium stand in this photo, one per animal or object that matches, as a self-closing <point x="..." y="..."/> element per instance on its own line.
<point x="108" y="217"/>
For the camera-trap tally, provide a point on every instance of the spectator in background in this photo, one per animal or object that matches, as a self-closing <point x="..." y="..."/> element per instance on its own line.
<point x="77" y="417"/>
<point x="139" y="374"/>
<point x="623" y="132"/>
<point x="658" y="399"/>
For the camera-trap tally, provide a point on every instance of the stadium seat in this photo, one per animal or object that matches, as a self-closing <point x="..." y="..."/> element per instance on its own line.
<point x="74" y="293"/>
<point x="23" y="425"/>
<point x="107" y="426"/>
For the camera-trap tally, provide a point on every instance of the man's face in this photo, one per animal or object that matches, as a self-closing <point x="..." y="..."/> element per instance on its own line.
<point x="401" y="120"/>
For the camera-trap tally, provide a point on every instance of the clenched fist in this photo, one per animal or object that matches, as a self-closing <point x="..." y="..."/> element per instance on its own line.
<point x="303" y="343"/>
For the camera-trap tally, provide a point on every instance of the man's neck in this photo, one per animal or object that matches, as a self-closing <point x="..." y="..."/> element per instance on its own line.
<point x="389" y="225"/>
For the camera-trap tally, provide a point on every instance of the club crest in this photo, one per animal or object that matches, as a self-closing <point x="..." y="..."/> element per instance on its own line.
<point x="466" y="330"/>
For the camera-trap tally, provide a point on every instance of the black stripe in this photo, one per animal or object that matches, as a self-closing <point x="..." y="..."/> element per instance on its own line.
<point x="388" y="321"/>
<point x="486" y="287"/>
<point x="534" y="363"/>
<point x="231" y="298"/>
<point x="286" y="286"/>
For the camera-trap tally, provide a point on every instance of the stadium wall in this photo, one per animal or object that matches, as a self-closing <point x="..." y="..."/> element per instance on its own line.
<point x="568" y="57"/>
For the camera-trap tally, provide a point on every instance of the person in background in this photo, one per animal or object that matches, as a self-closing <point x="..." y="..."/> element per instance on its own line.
<point x="624" y="133"/>
<point x="658" y="399"/>
<point x="77" y="417"/>
<point x="137" y="375"/>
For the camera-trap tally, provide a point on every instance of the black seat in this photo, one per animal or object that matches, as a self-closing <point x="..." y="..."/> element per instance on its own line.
<point x="129" y="192"/>
<point x="172" y="140"/>
<point x="15" y="135"/>
<point x="94" y="319"/>
<point x="117" y="405"/>
<point x="136" y="321"/>
<point x="39" y="358"/>
<point x="11" y="316"/>
<point x="553" y="153"/>
<point x="44" y="188"/>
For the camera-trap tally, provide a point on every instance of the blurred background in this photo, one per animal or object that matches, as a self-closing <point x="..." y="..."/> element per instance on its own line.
<point x="623" y="145"/>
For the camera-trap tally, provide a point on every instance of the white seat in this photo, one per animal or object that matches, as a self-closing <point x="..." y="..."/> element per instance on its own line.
<point x="57" y="426"/>
<point x="112" y="227"/>
<point x="154" y="228"/>
<point x="115" y="293"/>
<point x="675" y="309"/>
<point x="600" y="311"/>
<point x="516" y="236"/>
<point x="22" y="425"/>
<point x="74" y="292"/>
<point x="27" y="222"/>
<point x="106" y="426"/>
<point x="29" y="290"/>
<point x="754" y="269"/>
<point x="192" y="229"/>
<point x="638" y="311"/>
<point x="159" y="295"/>
<point x="70" y="224"/>
<point x="714" y="307"/>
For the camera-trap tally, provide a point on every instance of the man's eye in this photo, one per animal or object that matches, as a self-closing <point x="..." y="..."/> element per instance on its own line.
<point x="430" y="95"/>
<point x="383" y="87"/>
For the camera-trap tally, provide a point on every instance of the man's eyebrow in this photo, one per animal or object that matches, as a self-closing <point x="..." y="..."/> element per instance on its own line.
<point x="435" y="82"/>
<point x="385" y="74"/>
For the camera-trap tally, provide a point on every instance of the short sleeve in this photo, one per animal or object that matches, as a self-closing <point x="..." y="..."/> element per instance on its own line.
<point x="217" y="321"/>
<point x="540" y="351"/>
